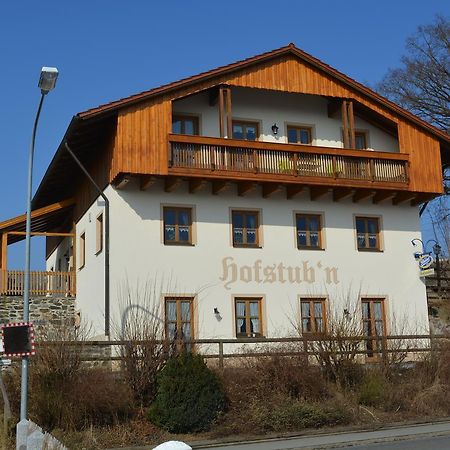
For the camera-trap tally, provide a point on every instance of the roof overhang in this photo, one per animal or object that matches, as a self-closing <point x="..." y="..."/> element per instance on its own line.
<point x="42" y="220"/>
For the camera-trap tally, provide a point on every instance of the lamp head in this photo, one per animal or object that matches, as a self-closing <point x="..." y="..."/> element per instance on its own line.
<point x="47" y="80"/>
<point x="437" y="249"/>
<point x="275" y="129"/>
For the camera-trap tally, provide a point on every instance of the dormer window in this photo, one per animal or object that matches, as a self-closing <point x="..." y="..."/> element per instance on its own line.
<point x="245" y="130"/>
<point x="182" y="124"/>
<point x="360" y="140"/>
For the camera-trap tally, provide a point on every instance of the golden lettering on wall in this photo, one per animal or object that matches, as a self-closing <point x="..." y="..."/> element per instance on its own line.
<point x="275" y="273"/>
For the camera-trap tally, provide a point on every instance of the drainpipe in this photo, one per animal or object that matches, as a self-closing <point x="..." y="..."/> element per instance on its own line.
<point x="101" y="193"/>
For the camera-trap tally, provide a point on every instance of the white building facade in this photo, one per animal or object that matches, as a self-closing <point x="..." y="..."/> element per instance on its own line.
<point x="268" y="198"/>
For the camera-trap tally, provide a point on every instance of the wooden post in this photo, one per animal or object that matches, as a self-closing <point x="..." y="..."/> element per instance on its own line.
<point x="3" y="262"/>
<point x="221" y="355"/>
<point x="74" y="259"/>
<point x="345" y="123"/>
<point x="221" y="112"/>
<point x="229" y="116"/>
<point x="3" y="252"/>
<point x="351" y="124"/>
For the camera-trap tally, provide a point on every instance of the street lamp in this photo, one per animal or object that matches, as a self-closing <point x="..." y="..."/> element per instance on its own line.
<point x="437" y="251"/>
<point x="46" y="83"/>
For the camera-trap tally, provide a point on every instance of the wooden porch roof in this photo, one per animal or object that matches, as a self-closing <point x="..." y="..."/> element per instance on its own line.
<point x="42" y="219"/>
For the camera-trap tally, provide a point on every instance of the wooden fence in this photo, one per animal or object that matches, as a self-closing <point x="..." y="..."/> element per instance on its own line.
<point x="369" y="348"/>
<point x="41" y="283"/>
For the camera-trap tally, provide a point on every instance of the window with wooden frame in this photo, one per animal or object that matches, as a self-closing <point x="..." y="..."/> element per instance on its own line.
<point x="245" y="226"/>
<point x="309" y="231"/>
<point x="360" y="140"/>
<point x="99" y="234"/>
<point x="184" y="124"/>
<point x="82" y="250"/>
<point x="248" y="131"/>
<point x="314" y="317"/>
<point x="374" y="324"/>
<point x="177" y="225"/>
<point x="248" y="313"/>
<point x="179" y="318"/>
<point x="299" y="135"/>
<point x="368" y="233"/>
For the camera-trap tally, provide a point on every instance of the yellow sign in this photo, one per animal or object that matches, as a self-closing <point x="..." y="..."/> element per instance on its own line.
<point x="426" y="272"/>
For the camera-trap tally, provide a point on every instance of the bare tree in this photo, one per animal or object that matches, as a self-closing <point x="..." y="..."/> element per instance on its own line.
<point x="422" y="83"/>
<point x="439" y="212"/>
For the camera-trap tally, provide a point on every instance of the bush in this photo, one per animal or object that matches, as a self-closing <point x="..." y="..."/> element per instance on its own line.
<point x="274" y="374"/>
<point x="189" y="395"/>
<point x="294" y="415"/>
<point x="66" y="393"/>
<point x="372" y="390"/>
<point x="95" y="397"/>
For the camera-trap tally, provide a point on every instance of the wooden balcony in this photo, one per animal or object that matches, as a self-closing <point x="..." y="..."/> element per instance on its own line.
<point x="41" y="283"/>
<point x="291" y="163"/>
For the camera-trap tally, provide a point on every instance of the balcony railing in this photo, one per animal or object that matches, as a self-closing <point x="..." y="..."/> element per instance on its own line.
<point x="41" y="283"/>
<point x="200" y="153"/>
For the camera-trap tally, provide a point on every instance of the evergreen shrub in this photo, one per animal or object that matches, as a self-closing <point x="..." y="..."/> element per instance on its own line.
<point x="189" y="395"/>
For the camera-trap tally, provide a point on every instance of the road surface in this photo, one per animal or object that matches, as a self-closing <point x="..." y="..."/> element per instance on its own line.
<point x="433" y="436"/>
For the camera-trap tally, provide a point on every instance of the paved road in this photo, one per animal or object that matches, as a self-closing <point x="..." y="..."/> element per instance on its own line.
<point x="423" y="443"/>
<point x="434" y="436"/>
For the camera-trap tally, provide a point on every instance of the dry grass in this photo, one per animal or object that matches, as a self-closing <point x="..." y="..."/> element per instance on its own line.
<point x="270" y="394"/>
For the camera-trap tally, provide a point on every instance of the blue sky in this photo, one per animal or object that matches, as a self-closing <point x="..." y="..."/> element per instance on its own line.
<point x="106" y="50"/>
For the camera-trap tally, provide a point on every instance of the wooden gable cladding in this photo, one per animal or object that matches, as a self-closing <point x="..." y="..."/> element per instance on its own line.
<point x="141" y="140"/>
<point x="425" y="158"/>
<point x="142" y="147"/>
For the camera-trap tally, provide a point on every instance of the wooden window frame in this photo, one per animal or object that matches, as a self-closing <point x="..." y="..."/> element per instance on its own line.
<point x="82" y="240"/>
<point x="367" y="248"/>
<point x="99" y="234"/>
<point x="245" y="123"/>
<point x="308" y="215"/>
<point x="298" y="129"/>
<point x="183" y="116"/>
<point x="378" y="343"/>
<point x="177" y="241"/>
<point x="258" y="243"/>
<point x="365" y="136"/>
<point x="312" y="317"/>
<point x="179" y="322"/>
<point x="247" y="316"/>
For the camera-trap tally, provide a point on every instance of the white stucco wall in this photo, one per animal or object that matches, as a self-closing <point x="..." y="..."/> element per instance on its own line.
<point x="60" y="259"/>
<point x="282" y="108"/>
<point x="139" y="255"/>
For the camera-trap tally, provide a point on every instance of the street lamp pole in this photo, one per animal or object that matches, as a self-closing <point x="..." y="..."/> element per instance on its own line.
<point x="46" y="83"/>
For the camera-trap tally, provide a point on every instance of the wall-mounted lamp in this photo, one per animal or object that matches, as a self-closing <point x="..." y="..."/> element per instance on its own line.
<point x="275" y="129"/>
<point x="217" y="314"/>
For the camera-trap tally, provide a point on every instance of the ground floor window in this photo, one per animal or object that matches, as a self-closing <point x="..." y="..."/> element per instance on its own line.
<point x="248" y="317"/>
<point x="314" y="319"/>
<point x="374" y="324"/>
<point x="179" y="318"/>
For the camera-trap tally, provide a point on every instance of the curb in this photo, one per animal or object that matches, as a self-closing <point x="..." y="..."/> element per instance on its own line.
<point x="227" y="442"/>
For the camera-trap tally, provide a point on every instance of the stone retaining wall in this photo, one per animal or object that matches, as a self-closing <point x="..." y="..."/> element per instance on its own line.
<point x="46" y="312"/>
